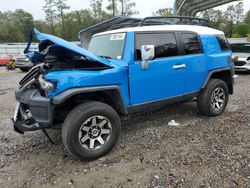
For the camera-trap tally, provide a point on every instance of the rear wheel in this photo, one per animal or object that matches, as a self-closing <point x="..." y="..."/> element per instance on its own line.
<point x="91" y="130"/>
<point x="213" y="100"/>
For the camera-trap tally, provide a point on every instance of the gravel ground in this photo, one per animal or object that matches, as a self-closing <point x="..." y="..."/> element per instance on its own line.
<point x="201" y="152"/>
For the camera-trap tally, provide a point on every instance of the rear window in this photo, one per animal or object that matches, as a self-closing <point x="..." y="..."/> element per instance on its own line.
<point x="191" y="43"/>
<point x="224" y="45"/>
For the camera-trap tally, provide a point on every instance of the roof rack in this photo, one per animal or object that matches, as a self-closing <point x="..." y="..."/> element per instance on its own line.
<point x="124" y="25"/>
<point x="125" y="22"/>
<point x="173" y="20"/>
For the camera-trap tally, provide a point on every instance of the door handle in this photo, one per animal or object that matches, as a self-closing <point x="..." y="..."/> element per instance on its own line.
<point x="182" y="66"/>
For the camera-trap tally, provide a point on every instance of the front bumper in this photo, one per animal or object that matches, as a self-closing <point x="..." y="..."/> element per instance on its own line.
<point x="33" y="111"/>
<point x="243" y="68"/>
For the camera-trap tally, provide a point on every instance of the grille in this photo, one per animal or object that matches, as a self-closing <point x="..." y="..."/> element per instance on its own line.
<point x="240" y="63"/>
<point x="20" y="59"/>
<point x="29" y="76"/>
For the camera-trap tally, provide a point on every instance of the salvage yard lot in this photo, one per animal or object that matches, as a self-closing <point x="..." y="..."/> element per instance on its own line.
<point x="201" y="151"/>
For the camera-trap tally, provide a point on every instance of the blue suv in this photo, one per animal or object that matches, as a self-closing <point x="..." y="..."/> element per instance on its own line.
<point x="123" y="71"/>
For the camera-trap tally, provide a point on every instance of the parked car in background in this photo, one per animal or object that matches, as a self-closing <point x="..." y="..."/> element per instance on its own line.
<point x="4" y="59"/>
<point x="23" y="62"/>
<point x="241" y="54"/>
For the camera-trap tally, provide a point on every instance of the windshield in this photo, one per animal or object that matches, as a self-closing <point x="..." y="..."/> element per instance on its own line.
<point x="240" y="48"/>
<point x="109" y="46"/>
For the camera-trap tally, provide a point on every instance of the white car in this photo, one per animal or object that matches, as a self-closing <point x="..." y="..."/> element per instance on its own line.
<point x="241" y="50"/>
<point x="23" y="62"/>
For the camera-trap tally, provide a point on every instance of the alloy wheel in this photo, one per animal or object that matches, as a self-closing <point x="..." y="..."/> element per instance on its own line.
<point x="218" y="98"/>
<point x="95" y="132"/>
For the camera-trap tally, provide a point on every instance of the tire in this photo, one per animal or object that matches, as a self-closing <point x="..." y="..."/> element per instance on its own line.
<point x="24" y="69"/>
<point x="209" y="102"/>
<point x="80" y="143"/>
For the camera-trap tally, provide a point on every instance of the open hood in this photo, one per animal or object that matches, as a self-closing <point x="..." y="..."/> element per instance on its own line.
<point x="70" y="46"/>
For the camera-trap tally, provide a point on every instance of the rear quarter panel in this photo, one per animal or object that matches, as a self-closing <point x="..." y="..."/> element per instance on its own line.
<point x="215" y="57"/>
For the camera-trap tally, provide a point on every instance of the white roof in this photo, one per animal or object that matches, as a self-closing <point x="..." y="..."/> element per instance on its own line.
<point x="201" y="30"/>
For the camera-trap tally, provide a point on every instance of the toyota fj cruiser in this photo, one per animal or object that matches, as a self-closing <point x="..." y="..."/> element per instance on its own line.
<point x="123" y="71"/>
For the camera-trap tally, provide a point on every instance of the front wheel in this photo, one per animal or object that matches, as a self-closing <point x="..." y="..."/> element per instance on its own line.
<point x="213" y="100"/>
<point x="91" y="130"/>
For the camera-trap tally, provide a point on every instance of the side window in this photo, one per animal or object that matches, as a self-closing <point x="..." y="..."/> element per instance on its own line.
<point x="165" y="44"/>
<point x="223" y="43"/>
<point x="191" y="43"/>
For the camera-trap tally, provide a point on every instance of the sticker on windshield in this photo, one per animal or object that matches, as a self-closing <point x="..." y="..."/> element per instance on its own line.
<point x="118" y="36"/>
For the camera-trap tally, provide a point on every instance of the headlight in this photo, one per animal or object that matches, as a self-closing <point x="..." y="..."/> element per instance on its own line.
<point x="46" y="85"/>
<point x="26" y="59"/>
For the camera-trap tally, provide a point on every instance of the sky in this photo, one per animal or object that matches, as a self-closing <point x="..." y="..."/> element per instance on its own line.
<point x="145" y="7"/>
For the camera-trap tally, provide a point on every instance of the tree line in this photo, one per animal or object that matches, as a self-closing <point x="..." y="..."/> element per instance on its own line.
<point x="16" y="25"/>
<point x="232" y="21"/>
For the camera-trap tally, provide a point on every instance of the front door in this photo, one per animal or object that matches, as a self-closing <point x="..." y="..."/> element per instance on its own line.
<point x="166" y="74"/>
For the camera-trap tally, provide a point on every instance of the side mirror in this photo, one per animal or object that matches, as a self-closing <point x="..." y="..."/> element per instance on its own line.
<point x="147" y="53"/>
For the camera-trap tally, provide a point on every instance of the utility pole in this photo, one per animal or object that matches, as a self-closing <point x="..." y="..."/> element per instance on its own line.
<point x="122" y="13"/>
<point x="113" y="7"/>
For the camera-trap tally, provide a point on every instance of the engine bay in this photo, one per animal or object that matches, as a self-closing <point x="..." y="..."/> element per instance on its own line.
<point x="56" y="58"/>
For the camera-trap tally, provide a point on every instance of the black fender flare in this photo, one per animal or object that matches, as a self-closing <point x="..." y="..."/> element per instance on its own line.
<point x="60" y="98"/>
<point x="212" y="72"/>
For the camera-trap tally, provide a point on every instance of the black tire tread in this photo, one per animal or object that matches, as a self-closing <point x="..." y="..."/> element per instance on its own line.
<point x="203" y="107"/>
<point x="87" y="106"/>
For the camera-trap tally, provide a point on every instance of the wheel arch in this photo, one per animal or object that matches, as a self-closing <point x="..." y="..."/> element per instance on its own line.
<point x="110" y="95"/>
<point x="225" y="74"/>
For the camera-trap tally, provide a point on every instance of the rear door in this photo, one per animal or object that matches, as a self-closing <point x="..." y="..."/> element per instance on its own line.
<point x="195" y="61"/>
<point x="165" y="76"/>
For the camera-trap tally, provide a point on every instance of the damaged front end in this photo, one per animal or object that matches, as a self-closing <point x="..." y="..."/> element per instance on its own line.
<point x="34" y="110"/>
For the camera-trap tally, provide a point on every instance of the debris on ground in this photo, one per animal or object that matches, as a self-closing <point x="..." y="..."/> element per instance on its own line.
<point x="205" y="152"/>
<point x="173" y="123"/>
